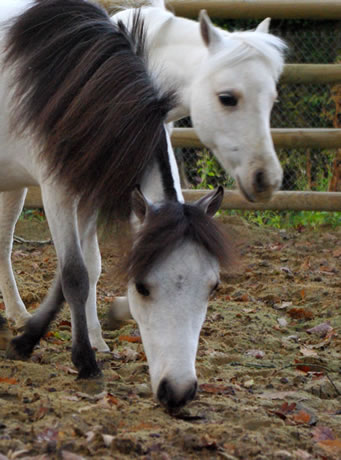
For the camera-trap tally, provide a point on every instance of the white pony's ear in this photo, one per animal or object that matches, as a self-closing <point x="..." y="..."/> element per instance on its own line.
<point x="264" y="26"/>
<point x="140" y="204"/>
<point x="158" y="4"/>
<point x="208" y="32"/>
<point x="211" y="203"/>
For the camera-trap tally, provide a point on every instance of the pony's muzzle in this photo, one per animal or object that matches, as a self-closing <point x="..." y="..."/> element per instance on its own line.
<point x="174" y="399"/>
<point x="259" y="187"/>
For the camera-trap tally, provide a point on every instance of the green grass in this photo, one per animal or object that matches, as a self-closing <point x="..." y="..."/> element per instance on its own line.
<point x="33" y="214"/>
<point x="290" y="219"/>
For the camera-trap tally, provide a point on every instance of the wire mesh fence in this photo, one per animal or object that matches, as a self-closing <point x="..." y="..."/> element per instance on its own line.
<point x="298" y="106"/>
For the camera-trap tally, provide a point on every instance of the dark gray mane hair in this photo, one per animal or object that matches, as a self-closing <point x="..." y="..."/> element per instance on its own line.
<point x="167" y="227"/>
<point x="81" y="89"/>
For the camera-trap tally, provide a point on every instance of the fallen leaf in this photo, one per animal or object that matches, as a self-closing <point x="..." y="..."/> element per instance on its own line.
<point x="308" y="352"/>
<point x="242" y="298"/>
<point x="287" y="271"/>
<point x="216" y="389"/>
<point x="282" y="321"/>
<point x="282" y="306"/>
<point x="248" y="383"/>
<point x="302" y="418"/>
<point x="10" y="381"/>
<point x="258" y="354"/>
<point x="108" y="439"/>
<point x="295" y="413"/>
<point x="48" y="435"/>
<point x="333" y="446"/>
<point x="322" y="433"/>
<point x="66" y="455"/>
<point x="40" y="413"/>
<point x="66" y="369"/>
<point x="321" y="329"/>
<point x="130" y="338"/>
<point x="337" y="252"/>
<point x="300" y="313"/>
<point x="302" y="455"/>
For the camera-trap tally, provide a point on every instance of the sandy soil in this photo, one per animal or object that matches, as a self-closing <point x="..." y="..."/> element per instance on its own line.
<point x="268" y="364"/>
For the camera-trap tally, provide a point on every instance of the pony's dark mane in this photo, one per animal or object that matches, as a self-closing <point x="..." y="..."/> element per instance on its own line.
<point x="170" y="225"/>
<point x="81" y="89"/>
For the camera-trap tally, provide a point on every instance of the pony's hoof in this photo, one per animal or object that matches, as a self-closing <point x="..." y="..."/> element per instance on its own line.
<point x="89" y="372"/>
<point x="19" y="349"/>
<point x="97" y="342"/>
<point x="20" y="321"/>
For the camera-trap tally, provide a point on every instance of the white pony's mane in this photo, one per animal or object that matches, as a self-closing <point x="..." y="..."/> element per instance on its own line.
<point x="249" y="43"/>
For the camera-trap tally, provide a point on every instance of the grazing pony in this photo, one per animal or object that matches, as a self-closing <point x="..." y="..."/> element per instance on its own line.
<point x="84" y="119"/>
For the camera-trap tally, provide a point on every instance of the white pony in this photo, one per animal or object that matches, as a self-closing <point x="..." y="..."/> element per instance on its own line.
<point x="227" y="84"/>
<point x="84" y="119"/>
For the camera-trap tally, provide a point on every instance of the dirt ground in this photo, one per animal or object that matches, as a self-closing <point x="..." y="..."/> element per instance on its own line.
<point x="268" y="364"/>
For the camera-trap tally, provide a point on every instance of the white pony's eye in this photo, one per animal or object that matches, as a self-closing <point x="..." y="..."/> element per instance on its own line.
<point x="142" y="289"/>
<point x="216" y="287"/>
<point x="228" y="99"/>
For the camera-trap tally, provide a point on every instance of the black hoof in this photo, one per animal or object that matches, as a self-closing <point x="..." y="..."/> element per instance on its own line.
<point x="20" y="348"/>
<point x="89" y="372"/>
<point x="85" y="362"/>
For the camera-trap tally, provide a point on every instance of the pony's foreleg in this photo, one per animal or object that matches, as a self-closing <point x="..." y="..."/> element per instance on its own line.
<point x="72" y="283"/>
<point x="92" y="257"/>
<point x="11" y="204"/>
<point x="22" y="346"/>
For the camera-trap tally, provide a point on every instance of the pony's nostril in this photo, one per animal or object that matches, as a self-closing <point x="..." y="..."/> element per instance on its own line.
<point x="173" y="401"/>
<point x="165" y="393"/>
<point x="191" y="392"/>
<point x="259" y="182"/>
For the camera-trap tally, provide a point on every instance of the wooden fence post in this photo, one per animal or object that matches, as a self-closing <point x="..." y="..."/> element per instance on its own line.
<point x="335" y="182"/>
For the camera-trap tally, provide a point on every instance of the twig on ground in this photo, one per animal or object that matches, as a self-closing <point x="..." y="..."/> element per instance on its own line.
<point x="19" y="239"/>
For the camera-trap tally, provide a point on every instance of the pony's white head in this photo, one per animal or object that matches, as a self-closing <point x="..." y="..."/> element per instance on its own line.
<point x="173" y="269"/>
<point x="231" y="101"/>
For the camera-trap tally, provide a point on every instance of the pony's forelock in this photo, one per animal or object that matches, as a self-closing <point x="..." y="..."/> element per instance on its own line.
<point x="244" y="45"/>
<point x="170" y="225"/>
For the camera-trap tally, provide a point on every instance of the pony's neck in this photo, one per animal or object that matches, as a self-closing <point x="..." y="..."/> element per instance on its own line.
<point x="153" y="182"/>
<point x="175" y="50"/>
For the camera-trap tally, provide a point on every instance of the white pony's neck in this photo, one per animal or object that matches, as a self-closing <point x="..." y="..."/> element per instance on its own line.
<point x="152" y="186"/>
<point x="176" y="51"/>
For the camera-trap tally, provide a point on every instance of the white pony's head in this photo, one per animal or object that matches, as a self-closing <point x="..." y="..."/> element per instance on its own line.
<point x="173" y="269"/>
<point x="231" y="101"/>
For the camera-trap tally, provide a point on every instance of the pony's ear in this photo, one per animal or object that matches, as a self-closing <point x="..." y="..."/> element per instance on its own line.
<point x="264" y="26"/>
<point x="158" y="3"/>
<point x="211" y="203"/>
<point x="208" y="32"/>
<point x="140" y="204"/>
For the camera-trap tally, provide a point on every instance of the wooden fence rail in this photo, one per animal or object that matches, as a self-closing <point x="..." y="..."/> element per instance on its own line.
<point x="300" y="201"/>
<point x="312" y="73"/>
<point x="236" y="9"/>
<point x="285" y="138"/>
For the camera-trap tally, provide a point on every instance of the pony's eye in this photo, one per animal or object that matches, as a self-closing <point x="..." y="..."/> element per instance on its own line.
<point x="216" y="287"/>
<point x="228" y="99"/>
<point x="142" y="289"/>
